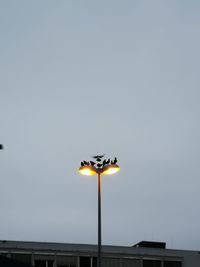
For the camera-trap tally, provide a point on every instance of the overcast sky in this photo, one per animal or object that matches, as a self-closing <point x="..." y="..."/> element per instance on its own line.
<point x="78" y="78"/>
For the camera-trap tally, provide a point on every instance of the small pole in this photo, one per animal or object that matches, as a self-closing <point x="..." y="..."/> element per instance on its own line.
<point x="99" y="221"/>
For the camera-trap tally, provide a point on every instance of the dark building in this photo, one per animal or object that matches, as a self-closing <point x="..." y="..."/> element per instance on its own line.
<point x="142" y="254"/>
<point x="8" y="262"/>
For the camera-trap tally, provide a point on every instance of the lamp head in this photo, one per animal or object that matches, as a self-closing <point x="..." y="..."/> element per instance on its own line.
<point x="111" y="169"/>
<point x="87" y="170"/>
<point x="99" y="166"/>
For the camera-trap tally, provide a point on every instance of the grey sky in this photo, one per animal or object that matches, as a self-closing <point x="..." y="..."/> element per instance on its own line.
<point x="79" y="78"/>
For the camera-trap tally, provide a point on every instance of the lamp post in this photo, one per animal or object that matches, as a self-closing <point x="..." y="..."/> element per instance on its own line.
<point x="99" y="166"/>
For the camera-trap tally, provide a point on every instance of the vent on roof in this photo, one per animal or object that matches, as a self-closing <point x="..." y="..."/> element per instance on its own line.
<point x="150" y="244"/>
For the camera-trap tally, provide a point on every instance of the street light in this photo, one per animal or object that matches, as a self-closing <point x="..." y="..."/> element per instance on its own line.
<point x="99" y="166"/>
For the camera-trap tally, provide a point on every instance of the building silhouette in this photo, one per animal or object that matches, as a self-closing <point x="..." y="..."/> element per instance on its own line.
<point x="142" y="254"/>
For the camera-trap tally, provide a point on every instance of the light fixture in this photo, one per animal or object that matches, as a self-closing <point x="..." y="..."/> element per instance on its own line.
<point x="111" y="169"/>
<point x="87" y="170"/>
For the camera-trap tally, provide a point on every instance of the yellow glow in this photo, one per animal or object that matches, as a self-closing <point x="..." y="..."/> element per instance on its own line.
<point x="111" y="169"/>
<point x="87" y="170"/>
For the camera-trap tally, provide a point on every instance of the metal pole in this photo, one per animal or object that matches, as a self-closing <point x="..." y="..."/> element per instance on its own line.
<point x="99" y="221"/>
